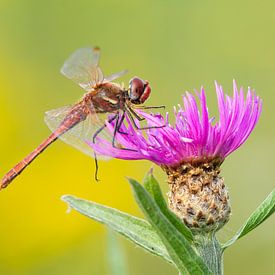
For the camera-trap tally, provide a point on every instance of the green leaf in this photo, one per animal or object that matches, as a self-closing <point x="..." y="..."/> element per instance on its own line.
<point x="265" y="209"/>
<point x="137" y="230"/>
<point x="116" y="258"/>
<point x="152" y="186"/>
<point x="179" y="249"/>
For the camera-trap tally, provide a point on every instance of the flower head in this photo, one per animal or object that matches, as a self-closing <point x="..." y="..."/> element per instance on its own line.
<point x="195" y="136"/>
<point x="191" y="152"/>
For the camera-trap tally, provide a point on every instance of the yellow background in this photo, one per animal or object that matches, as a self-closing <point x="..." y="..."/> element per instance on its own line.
<point x="177" y="46"/>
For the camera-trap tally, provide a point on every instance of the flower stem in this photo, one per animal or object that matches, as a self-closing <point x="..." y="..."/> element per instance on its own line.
<point x="210" y="250"/>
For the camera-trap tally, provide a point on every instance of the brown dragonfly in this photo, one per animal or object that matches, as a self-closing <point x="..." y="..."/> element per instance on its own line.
<point x="76" y="124"/>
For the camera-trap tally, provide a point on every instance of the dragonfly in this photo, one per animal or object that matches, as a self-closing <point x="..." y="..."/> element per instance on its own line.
<point x="85" y="120"/>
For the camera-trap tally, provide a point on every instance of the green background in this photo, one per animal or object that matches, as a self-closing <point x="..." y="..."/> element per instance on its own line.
<point x="177" y="46"/>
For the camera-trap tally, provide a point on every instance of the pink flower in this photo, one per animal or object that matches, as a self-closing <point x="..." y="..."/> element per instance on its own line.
<point x="195" y="136"/>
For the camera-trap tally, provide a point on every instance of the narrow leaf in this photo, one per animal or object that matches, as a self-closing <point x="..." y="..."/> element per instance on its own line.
<point x="152" y="186"/>
<point x="179" y="249"/>
<point x="265" y="209"/>
<point x="137" y="230"/>
<point x="116" y="258"/>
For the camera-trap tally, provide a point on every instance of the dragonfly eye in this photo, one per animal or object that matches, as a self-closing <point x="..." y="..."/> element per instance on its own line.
<point x="139" y="90"/>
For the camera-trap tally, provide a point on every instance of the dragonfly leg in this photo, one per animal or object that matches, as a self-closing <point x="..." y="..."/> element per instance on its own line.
<point x="135" y="114"/>
<point x="116" y="130"/>
<point x="94" y="138"/>
<point x="117" y="126"/>
<point x="96" y="167"/>
<point x="151" y="107"/>
<point x="141" y="128"/>
<point x="103" y="127"/>
<point x="120" y="123"/>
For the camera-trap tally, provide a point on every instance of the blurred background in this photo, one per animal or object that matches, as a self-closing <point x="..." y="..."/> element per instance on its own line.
<point x="177" y="46"/>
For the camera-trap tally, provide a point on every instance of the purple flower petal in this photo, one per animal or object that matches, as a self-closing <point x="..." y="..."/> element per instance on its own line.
<point x="195" y="134"/>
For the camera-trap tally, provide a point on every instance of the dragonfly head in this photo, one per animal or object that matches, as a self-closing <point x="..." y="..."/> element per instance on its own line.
<point x="139" y="90"/>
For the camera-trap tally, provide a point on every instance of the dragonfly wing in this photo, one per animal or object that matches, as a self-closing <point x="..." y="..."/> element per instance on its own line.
<point x="82" y="67"/>
<point x="80" y="133"/>
<point x="114" y="76"/>
<point x="53" y="118"/>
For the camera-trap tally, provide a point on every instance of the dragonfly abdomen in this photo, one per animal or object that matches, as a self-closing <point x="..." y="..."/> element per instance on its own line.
<point x="19" y="167"/>
<point x="74" y="117"/>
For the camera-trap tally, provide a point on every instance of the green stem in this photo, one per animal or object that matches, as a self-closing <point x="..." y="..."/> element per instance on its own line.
<point x="210" y="250"/>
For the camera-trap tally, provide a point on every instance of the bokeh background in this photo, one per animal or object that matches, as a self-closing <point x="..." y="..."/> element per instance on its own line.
<point x="178" y="46"/>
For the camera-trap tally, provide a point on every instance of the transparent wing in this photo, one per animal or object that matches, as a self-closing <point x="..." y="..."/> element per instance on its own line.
<point x="82" y="67"/>
<point x="80" y="133"/>
<point x="114" y="76"/>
